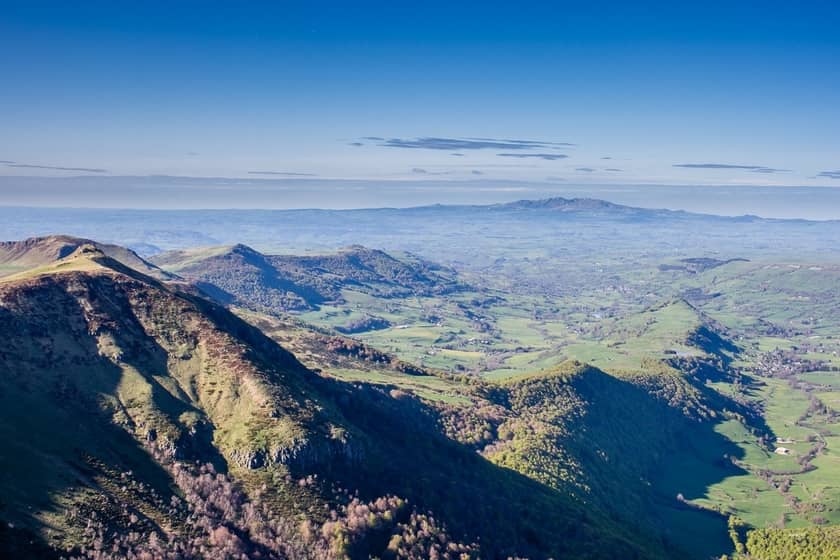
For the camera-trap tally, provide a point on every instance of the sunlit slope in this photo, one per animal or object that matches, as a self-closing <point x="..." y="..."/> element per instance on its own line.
<point x="37" y="252"/>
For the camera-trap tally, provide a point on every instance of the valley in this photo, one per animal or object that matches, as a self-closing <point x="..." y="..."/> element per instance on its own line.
<point x="419" y="280"/>
<point x="559" y="378"/>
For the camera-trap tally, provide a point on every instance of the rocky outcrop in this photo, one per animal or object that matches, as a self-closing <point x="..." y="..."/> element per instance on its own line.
<point x="302" y="456"/>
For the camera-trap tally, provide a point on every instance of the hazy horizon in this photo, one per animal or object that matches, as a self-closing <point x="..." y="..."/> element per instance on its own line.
<point x="193" y="193"/>
<point x="407" y="98"/>
<point x="338" y="280"/>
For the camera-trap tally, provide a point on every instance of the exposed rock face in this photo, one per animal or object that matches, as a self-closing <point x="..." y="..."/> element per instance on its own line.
<point x="302" y="456"/>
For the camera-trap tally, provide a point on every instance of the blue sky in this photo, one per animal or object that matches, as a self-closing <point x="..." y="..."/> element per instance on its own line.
<point x="554" y="93"/>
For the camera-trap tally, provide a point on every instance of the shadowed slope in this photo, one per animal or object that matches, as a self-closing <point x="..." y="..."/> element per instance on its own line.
<point x="278" y="283"/>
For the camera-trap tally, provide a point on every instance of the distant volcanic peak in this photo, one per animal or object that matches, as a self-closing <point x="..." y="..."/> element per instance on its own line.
<point x="567" y="204"/>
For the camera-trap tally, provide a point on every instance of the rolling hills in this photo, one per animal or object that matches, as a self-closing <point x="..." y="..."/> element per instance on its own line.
<point x="114" y="384"/>
<point x="135" y="408"/>
<point x="279" y="283"/>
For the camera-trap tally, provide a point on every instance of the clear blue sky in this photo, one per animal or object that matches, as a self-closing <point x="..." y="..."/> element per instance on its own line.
<point x="724" y="93"/>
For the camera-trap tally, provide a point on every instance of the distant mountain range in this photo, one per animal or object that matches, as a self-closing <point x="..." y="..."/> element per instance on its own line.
<point x="441" y="233"/>
<point x="565" y="205"/>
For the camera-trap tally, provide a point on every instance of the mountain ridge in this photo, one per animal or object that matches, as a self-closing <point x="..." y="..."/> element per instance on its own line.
<point x="241" y="275"/>
<point x="538" y="203"/>
<point x="34" y="252"/>
<point x="131" y="375"/>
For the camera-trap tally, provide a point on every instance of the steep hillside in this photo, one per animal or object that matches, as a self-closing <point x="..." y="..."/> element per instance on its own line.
<point x="323" y="349"/>
<point x="112" y="385"/>
<point x="278" y="283"/>
<point x="242" y="276"/>
<point x="99" y="361"/>
<point x="639" y="447"/>
<point x="17" y="256"/>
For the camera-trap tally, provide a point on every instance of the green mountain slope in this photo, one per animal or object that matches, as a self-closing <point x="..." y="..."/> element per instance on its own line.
<point x="638" y="447"/>
<point x="277" y="283"/>
<point x="113" y="384"/>
<point x="99" y="359"/>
